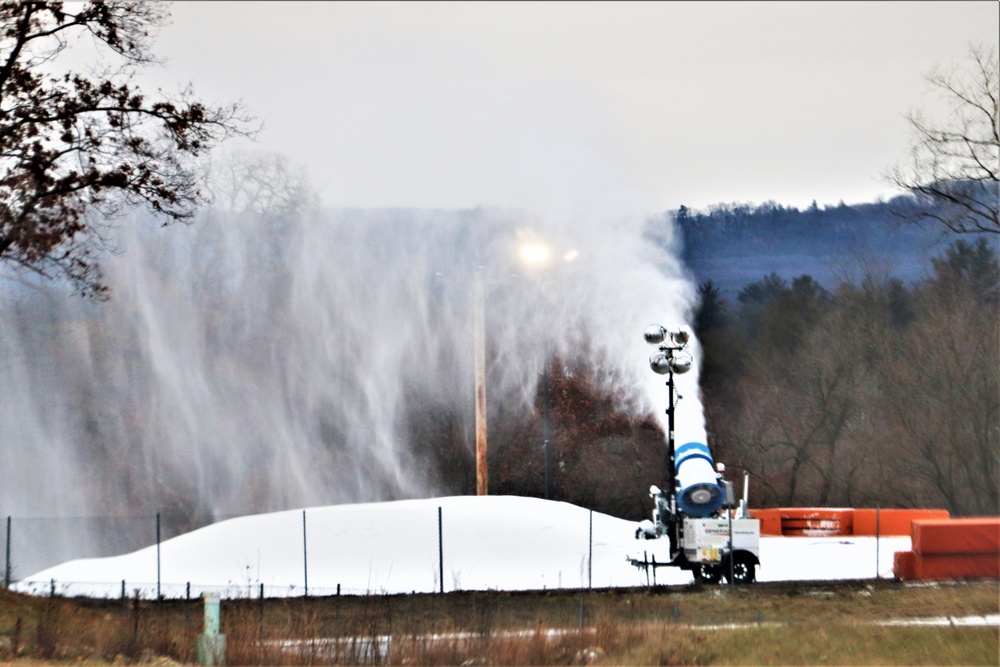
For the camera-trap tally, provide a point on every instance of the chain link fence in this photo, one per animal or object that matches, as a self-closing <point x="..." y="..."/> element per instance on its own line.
<point x="35" y="544"/>
<point x="285" y="554"/>
<point x="400" y="548"/>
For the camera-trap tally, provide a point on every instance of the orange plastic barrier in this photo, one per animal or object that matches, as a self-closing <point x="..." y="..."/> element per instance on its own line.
<point x="973" y="535"/>
<point x="770" y="521"/>
<point x="891" y="521"/>
<point x="902" y="565"/>
<point x="836" y="521"/>
<point x="816" y="521"/>
<point x="956" y="566"/>
<point x="804" y="521"/>
<point x="951" y="549"/>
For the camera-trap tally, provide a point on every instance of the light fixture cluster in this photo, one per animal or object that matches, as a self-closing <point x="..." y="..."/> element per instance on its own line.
<point x="671" y="357"/>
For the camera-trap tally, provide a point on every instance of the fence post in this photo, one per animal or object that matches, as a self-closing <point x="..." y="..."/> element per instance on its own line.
<point x="732" y="564"/>
<point x="159" y="595"/>
<point x="211" y="644"/>
<point x="305" y="556"/>
<point x="590" y="553"/>
<point x="440" y="552"/>
<point x="7" y="569"/>
<point x="878" y="531"/>
<point x="260" y="618"/>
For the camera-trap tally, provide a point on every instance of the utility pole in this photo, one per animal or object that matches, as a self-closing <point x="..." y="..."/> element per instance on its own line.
<point x="482" y="480"/>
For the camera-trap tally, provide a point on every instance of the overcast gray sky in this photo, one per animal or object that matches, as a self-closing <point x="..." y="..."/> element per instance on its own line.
<point x="631" y="106"/>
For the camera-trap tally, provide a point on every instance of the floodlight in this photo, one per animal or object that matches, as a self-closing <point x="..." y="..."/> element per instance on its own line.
<point x="535" y="254"/>
<point x="680" y="362"/>
<point x="654" y="334"/>
<point x="659" y="363"/>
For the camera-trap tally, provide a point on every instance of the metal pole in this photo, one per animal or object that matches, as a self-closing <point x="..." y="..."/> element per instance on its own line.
<point x="590" y="554"/>
<point x="673" y="529"/>
<point x="878" y="530"/>
<point x="670" y="435"/>
<point x="158" y="594"/>
<point x="305" y="556"/>
<point x="482" y="482"/>
<point x="732" y="566"/>
<point x="440" y="553"/>
<point x="7" y="568"/>
<point x="547" y="431"/>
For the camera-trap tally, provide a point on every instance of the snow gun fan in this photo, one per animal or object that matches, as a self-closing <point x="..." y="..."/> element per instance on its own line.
<point x="698" y="493"/>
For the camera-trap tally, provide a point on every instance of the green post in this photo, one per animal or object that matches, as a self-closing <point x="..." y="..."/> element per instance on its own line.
<point x="212" y="645"/>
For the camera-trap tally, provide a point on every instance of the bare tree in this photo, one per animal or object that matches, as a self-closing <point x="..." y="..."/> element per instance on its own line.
<point x="943" y="389"/>
<point x="954" y="164"/>
<point x="257" y="182"/>
<point x="75" y="147"/>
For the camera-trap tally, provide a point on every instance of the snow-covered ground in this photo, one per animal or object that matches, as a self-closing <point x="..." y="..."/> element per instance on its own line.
<point x="486" y="543"/>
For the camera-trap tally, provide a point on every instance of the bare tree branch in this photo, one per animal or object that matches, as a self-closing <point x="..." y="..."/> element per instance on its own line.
<point x="954" y="165"/>
<point x="75" y="143"/>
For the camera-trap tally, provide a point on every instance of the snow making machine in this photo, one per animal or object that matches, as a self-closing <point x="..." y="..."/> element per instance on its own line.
<point x="708" y="532"/>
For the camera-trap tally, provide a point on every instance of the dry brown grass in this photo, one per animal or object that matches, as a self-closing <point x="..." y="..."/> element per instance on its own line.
<point x="787" y="624"/>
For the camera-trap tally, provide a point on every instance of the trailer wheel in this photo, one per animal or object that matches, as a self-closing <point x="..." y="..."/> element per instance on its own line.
<point x="710" y="574"/>
<point x="744" y="568"/>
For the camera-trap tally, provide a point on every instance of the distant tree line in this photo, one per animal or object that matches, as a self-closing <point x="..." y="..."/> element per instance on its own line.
<point x="744" y="230"/>
<point x="873" y="393"/>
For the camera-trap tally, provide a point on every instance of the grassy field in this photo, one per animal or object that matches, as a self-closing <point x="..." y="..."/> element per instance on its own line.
<point x="773" y="624"/>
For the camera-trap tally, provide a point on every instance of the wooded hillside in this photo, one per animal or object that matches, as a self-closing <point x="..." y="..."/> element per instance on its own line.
<point x="877" y="384"/>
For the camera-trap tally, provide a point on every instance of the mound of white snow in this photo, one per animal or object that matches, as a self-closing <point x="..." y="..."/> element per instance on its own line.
<point x="486" y="543"/>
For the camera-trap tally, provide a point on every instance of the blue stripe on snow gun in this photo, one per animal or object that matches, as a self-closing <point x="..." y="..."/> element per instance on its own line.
<point x="698" y="491"/>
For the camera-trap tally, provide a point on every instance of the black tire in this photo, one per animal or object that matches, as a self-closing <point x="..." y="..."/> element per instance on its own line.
<point x="744" y="568"/>
<point x="710" y="574"/>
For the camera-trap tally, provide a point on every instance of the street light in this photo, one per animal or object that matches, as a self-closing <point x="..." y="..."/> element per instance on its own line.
<point x="535" y="253"/>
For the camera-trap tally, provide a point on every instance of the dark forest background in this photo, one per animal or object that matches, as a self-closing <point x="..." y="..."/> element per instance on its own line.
<point x="851" y="359"/>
